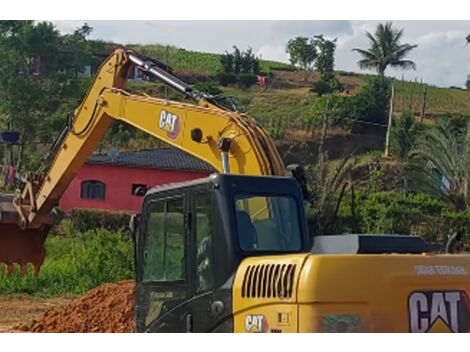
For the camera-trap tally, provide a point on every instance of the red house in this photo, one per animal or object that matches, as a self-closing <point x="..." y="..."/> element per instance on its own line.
<point x="113" y="182"/>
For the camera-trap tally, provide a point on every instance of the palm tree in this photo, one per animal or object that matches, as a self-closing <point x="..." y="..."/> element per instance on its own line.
<point x="439" y="164"/>
<point x="328" y="186"/>
<point x="386" y="50"/>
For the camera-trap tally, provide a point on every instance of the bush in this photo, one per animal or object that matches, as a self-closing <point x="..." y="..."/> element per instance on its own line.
<point x="226" y="78"/>
<point x="78" y="221"/>
<point x="207" y="88"/>
<point x="397" y="212"/>
<point x="457" y="123"/>
<point x="404" y="130"/>
<point x="321" y="87"/>
<point x="246" y="80"/>
<point x="371" y="105"/>
<point x="76" y="264"/>
<point x="341" y="112"/>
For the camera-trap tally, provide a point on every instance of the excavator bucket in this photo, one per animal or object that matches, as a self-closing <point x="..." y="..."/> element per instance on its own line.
<point x="17" y="246"/>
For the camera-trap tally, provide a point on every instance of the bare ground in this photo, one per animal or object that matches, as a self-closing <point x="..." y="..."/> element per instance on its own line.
<point x="22" y="309"/>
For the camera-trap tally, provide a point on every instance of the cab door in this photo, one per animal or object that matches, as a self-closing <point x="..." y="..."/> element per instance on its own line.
<point x="162" y="289"/>
<point x="210" y="283"/>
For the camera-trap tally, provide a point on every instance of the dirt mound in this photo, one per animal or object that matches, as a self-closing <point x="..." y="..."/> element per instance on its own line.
<point x="107" y="308"/>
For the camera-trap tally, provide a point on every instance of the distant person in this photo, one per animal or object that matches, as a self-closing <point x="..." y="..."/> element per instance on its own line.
<point x="262" y="81"/>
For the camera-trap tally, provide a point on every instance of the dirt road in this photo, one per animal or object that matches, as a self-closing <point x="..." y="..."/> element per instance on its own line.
<point x="22" y="309"/>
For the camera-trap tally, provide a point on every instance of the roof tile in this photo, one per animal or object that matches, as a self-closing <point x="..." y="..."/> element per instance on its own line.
<point x="161" y="158"/>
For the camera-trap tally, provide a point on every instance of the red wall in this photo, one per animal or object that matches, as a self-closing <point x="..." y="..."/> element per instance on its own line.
<point x="119" y="180"/>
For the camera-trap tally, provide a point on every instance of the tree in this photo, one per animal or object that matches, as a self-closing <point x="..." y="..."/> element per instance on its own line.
<point x="324" y="64"/>
<point x="372" y="106"/>
<point x="241" y="67"/>
<point x="386" y="50"/>
<point x="249" y="63"/>
<point x="237" y="60"/>
<point x="39" y="78"/>
<point x="325" y="60"/>
<point x="226" y="61"/>
<point x="302" y="52"/>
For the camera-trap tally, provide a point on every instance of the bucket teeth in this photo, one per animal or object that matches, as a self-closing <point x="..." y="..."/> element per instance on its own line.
<point x="22" y="247"/>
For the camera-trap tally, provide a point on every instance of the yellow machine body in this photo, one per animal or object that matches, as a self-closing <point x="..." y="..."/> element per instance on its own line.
<point x="353" y="293"/>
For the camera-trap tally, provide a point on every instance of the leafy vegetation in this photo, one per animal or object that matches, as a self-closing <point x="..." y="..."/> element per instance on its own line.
<point x="324" y="65"/>
<point x="440" y="165"/>
<point x="404" y="130"/>
<point x="205" y="64"/>
<point x="241" y="67"/>
<point x="40" y="79"/>
<point x="76" y="263"/>
<point x="302" y="52"/>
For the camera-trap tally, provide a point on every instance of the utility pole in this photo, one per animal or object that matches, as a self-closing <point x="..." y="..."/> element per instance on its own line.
<point x="389" y="125"/>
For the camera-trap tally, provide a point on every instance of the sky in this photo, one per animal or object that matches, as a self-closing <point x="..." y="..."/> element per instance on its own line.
<point x="442" y="56"/>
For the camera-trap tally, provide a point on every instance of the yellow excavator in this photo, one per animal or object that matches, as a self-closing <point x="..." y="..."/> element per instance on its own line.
<point x="231" y="252"/>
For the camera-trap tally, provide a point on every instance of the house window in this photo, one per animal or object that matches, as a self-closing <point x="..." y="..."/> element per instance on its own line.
<point x="92" y="189"/>
<point x="138" y="189"/>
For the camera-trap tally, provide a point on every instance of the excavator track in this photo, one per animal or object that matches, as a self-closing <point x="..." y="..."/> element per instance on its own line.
<point x="19" y="247"/>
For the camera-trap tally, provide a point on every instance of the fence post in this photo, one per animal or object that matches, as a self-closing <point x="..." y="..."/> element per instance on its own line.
<point x="423" y="103"/>
<point x="389" y="125"/>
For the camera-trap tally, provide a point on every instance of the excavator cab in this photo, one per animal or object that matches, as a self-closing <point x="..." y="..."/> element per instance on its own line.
<point x="192" y="237"/>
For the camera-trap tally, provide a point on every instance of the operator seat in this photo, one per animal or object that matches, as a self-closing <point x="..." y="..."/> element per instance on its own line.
<point x="246" y="231"/>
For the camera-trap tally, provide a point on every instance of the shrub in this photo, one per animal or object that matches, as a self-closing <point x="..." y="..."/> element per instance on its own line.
<point x="78" y="221"/>
<point x="246" y="80"/>
<point x="394" y="212"/>
<point x="207" y="88"/>
<point x="403" y="132"/>
<point x="457" y="123"/>
<point x="226" y="78"/>
<point x="371" y="105"/>
<point x="76" y="264"/>
<point x="321" y="87"/>
<point x="341" y="112"/>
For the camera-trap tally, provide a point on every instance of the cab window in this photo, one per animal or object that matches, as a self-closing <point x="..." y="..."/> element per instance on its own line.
<point x="164" y="246"/>
<point x="268" y="223"/>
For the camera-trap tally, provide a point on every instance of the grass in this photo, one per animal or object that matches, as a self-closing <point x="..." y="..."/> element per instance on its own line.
<point x="276" y="109"/>
<point x="440" y="101"/>
<point x="76" y="264"/>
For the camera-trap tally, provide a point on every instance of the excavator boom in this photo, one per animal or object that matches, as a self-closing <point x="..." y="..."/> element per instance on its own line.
<point x="228" y="140"/>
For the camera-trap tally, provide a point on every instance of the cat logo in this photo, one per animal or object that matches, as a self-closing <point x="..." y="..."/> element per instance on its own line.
<point x="256" y="323"/>
<point x="439" y="311"/>
<point x="169" y="123"/>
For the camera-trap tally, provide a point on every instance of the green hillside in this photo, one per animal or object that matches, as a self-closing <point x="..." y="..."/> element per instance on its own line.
<point x="439" y="101"/>
<point x="293" y="96"/>
<point x="199" y="63"/>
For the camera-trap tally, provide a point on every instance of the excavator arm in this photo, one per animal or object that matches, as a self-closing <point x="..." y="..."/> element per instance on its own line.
<point x="228" y="140"/>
